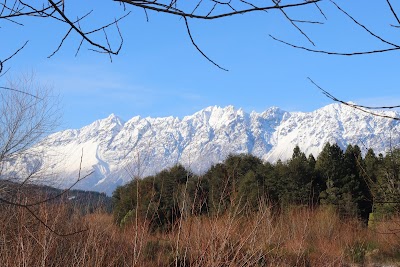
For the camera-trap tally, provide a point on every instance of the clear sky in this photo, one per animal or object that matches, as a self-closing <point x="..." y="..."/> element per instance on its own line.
<point x="159" y="72"/>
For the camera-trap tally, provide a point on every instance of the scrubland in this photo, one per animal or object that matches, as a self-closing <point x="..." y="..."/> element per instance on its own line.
<point x="297" y="236"/>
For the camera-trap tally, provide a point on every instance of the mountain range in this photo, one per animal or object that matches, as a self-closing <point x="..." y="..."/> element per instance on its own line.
<point x="117" y="150"/>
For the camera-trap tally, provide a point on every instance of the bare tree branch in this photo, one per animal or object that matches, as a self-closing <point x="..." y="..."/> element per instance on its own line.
<point x="362" y="108"/>
<point x="355" y="22"/>
<point x="61" y="43"/>
<point x="364" y="27"/>
<point x="201" y="10"/>
<point x="19" y="91"/>
<point x="393" y="12"/>
<point x="26" y="116"/>
<point x="18" y="9"/>
<point x="294" y="24"/>
<point x="335" y="53"/>
<point x="84" y="35"/>
<point x="8" y="58"/>
<point x="198" y="49"/>
<point x="320" y="10"/>
<point x="156" y="6"/>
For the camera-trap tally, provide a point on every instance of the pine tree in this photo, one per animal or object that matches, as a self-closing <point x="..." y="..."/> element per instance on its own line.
<point x="388" y="183"/>
<point x="355" y="185"/>
<point x="299" y="180"/>
<point x="329" y="166"/>
<point x="219" y="188"/>
<point x="249" y="191"/>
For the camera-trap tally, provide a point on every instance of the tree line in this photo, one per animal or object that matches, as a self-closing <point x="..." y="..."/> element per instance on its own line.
<point x="353" y="184"/>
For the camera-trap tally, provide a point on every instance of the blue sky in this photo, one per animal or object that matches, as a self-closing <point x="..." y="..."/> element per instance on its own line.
<point x="160" y="73"/>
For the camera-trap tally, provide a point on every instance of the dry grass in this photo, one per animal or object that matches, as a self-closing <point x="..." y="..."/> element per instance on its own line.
<point x="296" y="237"/>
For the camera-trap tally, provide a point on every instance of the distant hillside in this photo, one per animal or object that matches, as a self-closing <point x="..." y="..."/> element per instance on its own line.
<point x="85" y="201"/>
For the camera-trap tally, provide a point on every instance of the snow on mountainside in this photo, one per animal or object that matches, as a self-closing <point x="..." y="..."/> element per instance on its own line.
<point x="118" y="151"/>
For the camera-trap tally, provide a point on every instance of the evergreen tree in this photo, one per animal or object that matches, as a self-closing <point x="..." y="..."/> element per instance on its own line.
<point x="280" y="185"/>
<point x="355" y="187"/>
<point x="311" y="161"/>
<point x="299" y="180"/>
<point x="388" y="183"/>
<point x="157" y="199"/>
<point x="170" y="184"/>
<point x="269" y="183"/>
<point x="318" y="185"/>
<point x="249" y="191"/>
<point x="219" y="184"/>
<point x="371" y="164"/>
<point x="198" y="194"/>
<point x="342" y="179"/>
<point x="134" y="200"/>
<point x="329" y="166"/>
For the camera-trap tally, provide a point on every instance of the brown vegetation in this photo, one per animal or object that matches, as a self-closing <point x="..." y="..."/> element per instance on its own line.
<point x="296" y="237"/>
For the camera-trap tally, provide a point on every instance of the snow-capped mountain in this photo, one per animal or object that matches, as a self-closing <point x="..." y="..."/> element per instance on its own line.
<point x="117" y="151"/>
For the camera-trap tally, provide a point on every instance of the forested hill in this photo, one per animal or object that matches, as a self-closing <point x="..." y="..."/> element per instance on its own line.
<point x="85" y="201"/>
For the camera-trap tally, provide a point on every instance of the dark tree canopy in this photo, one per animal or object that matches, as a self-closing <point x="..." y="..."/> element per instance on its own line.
<point x="243" y="182"/>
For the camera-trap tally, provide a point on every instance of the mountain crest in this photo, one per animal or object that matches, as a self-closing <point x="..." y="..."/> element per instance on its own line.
<point x="116" y="150"/>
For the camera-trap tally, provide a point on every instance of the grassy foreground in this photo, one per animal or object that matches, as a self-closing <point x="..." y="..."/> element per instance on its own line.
<point x="296" y="237"/>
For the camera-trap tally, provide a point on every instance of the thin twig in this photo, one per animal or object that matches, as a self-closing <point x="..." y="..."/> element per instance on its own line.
<point x="336" y="53"/>
<point x="358" y="107"/>
<point x="198" y="49"/>
<point x="393" y="12"/>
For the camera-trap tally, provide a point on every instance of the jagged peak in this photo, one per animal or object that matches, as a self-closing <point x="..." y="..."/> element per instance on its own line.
<point x="275" y="108"/>
<point x="273" y="112"/>
<point x="335" y="108"/>
<point x="342" y="108"/>
<point x="331" y="106"/>
<point x="338" y="106"/>
<point x="215" y="108"/>
<point x="112" y="116"/>
<point x="211" y="134"/>
<point x="114" y="119"/>
<point x="112" y="122"/>
<point x="134" y="119"/>
<point x="214" y="112"/>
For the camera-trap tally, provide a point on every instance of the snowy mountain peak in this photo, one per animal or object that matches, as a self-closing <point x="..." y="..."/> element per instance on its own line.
<point x="145" y="146"/>
<point x="114" y="119"/>
<point x="272" y="112"/>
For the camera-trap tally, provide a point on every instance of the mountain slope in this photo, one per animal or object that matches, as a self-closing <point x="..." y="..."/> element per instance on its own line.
<point x="118" y="151"/>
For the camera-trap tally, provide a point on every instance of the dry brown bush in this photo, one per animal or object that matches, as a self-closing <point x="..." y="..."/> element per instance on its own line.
<point x="296" y="237"/>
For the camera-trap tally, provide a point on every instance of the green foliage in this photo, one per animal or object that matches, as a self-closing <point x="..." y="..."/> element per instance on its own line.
<point x="387" y="186"/>
<point x="128" y="218"/>
<point x="156" y="199"/>
<point x="353" y="185"/>
<point x="301" y="179"/>
<point x="239" y="180"/>
<point x="346" y="187"/>
<point x="249" y="190"/>
<point x="219" y="188"/>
